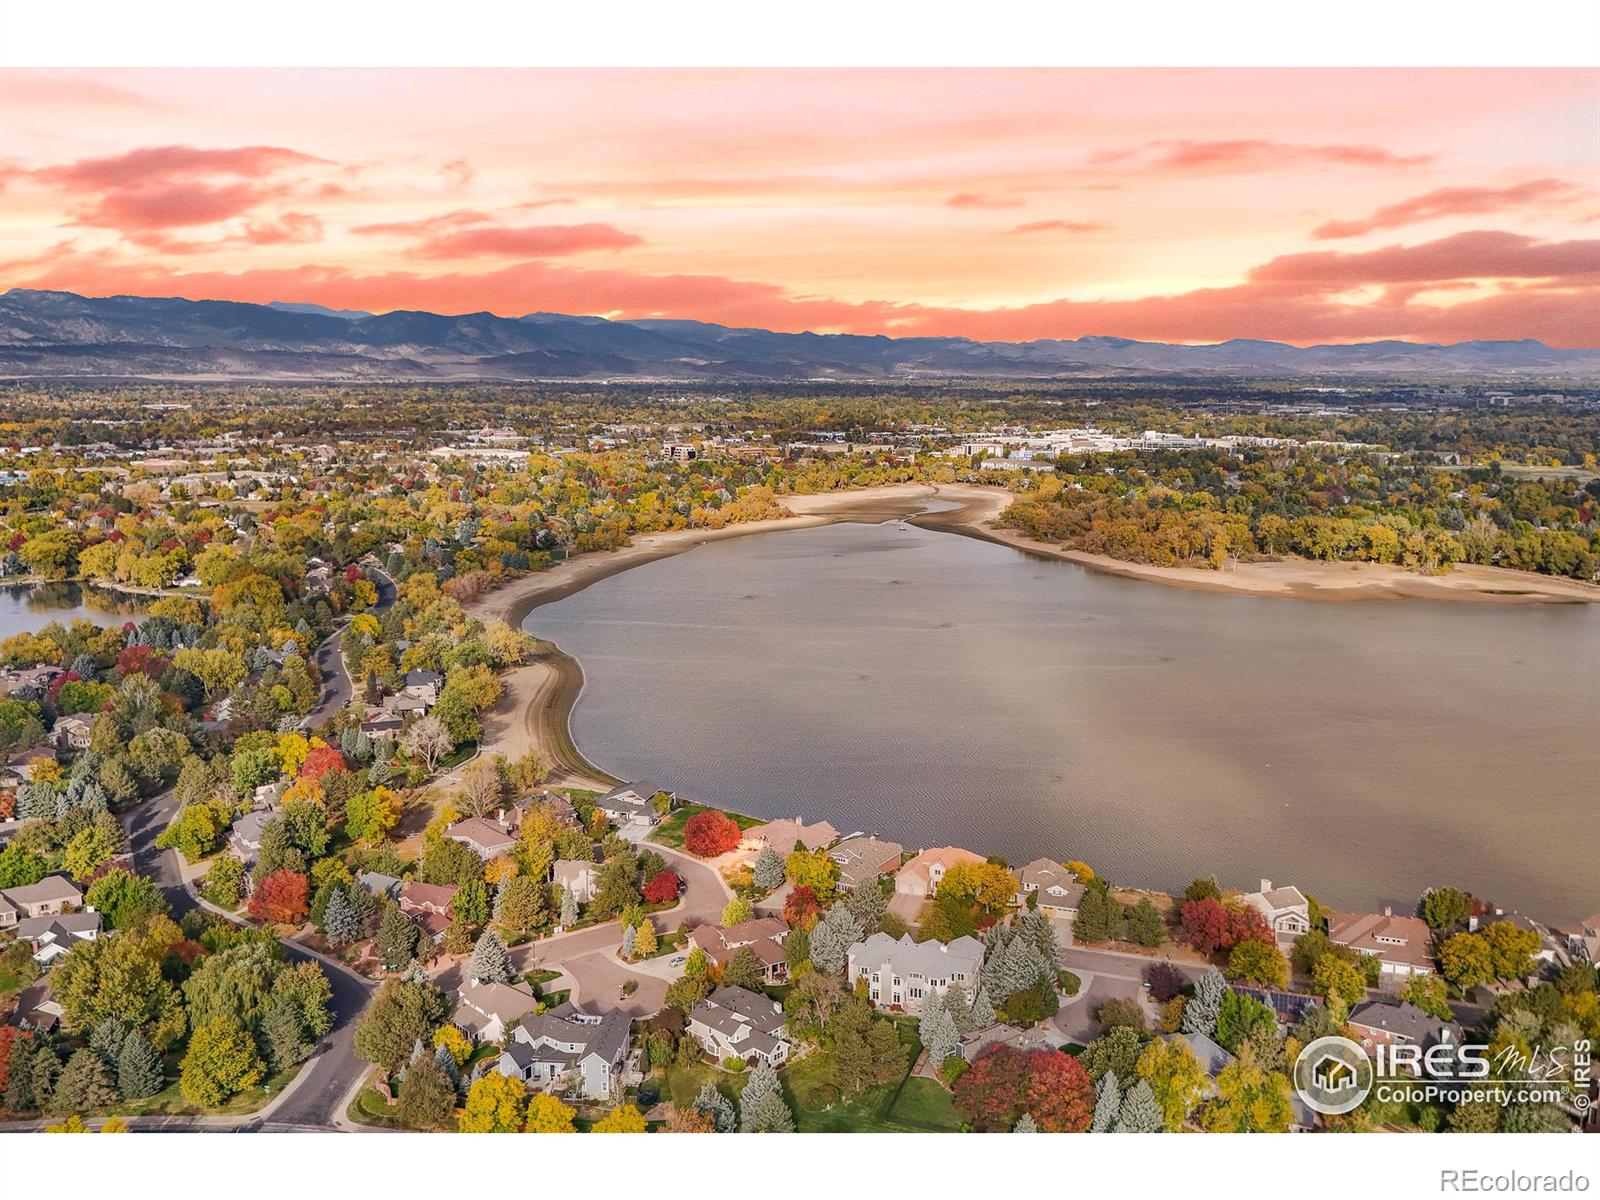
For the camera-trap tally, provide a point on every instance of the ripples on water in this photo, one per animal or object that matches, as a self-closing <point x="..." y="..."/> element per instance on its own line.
<point x="937" y="689"/>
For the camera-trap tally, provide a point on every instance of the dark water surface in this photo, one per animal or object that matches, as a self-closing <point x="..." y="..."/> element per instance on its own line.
<point x="937" y="689"/>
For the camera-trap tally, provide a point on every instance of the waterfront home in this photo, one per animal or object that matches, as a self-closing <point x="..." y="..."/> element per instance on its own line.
<point x="52" y="936"/>
<point x="763" y="937"/>
<point x="785" y="835"/>
<point x="485" y="1009"/>
<point x="1025" y="1040"/>
<point x="632" y="803"/>
<point x="72" y="732"/>
<point x="921" y="876"/>
<point x="578" y="876"/>
<point x="569" y="1050"/>
<point x="1057" y="888"/>
<point x="428" y="905"/>
<point x="1381" y="1023"/>
<point x="901" y="973"/>
<point x="1286" y="909"/>
<point x="51" y="895"/>
<point x="1400" y="944"/>
<point x="862" y="859"/>
<point x="28" y="679"/>
<point x="484" y="836"/>
<point x="735" y="1023"/>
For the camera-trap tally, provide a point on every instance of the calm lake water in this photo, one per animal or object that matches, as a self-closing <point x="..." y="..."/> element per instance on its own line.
<point x="33" y="606"/>
<point x="936" y="689"/>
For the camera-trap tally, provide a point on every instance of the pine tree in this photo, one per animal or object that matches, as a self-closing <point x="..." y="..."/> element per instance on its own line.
<point x="1107" y="1103"/>
<point x="769" y="1114"/>
<point x="629" y="942"/>
<point x="107" y="1037"/>
<point x="1140" y="1112"/>
<point x="1039" y="930"/>
<point x="85" y="1084"/>
<point x="983" y="1014"/>
<point x="718" y="1107"/>
<point x="447" y="1064"/>
<point x="1025" y="1124"/>
<point x="937" y="1029"/>
<point x="490" y="963"/>
<point x="19" y="1076"/>
<point x="960" y="1010"/>
<point x="285" y="1036"/>
<point x="397" y="939"/>
<point x="832" y="938"/>
<point x="868" y="905"/>
<point x="140" y="1071"/>
<point x="1200" y="1013"/>
<point x="763" y="1081"/>
<point x="768" y="870"/>
<point x="339" y="920"/>
<point x="569" y="909"/>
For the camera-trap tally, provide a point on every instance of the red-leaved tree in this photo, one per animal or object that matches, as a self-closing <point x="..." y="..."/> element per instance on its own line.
<point x="1209" y="925"/>
<point x="1051" y="1087"/>
<point x="800" y="909"/>
<point x="319" y="761"/>
<point x="280" y="898"/>
<point x="662" y="888"/>
<point x="709" y="834"/>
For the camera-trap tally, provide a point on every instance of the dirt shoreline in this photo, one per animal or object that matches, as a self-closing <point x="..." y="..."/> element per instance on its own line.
<point x="536" y="708"/>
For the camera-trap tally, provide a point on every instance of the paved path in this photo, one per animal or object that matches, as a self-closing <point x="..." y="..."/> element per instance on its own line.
<point x="329" y="657"/>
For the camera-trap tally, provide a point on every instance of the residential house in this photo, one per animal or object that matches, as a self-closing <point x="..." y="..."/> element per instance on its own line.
<point x="22" y="761"/>
<point x="865" y="858"/>
<point x="577" y="876"/>
<point x="735" y="1023"/>
<point x="921" y="876"/>
<point x="28" y="679"/>
<point x="1056" y="887"/>
<point x="1025" y="1040"/>
<point x="901" y="973"/>
<point x="1286" y="909"/>
<point x="484" y="836"/>
<point x="1213" y="1058"/>
<point x="244" y="839"/>
<point x="51" y="895"/>
<point x="72" y="732"/>
<point x="763" y="937"/>
<point x="52" y="936"/>
<point x="1585" y="940"/>
<point x="1401" y="944"/>
<point x="784" y="835"/>
<point x="381" y="726"/>
<point x="37" y="1007"/>
<point x="428" y="905"/>
<point x="485" y="1011"/>
<point x="423" y="685"/>
<point x="1380" y="1023"/>
<point x="568" y="1049"/>
<point x="380" y="886"/>
<point x="631" y="804"/>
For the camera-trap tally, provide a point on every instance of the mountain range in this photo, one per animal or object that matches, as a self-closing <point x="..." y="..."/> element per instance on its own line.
<point x="49" y="334"/>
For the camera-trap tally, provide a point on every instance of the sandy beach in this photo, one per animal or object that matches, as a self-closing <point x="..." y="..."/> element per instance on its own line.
<point x="537" y="704"/>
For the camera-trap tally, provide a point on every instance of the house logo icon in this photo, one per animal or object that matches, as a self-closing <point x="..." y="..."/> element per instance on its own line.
<point x="1333" y="1075"/>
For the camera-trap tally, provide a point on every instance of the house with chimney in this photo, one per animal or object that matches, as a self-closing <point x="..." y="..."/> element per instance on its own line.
<point x="763" y="937"/>
<point x="903" y="974"/>
<point x="569" y="1050"/>
<point x="1402" y="945"/>
<point x="1286" y="909"/>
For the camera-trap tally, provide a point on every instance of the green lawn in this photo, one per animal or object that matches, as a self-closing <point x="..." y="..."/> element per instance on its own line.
<point x="670" y="831"/>
<point x="683" y="1084"/>
<point x="909" y="1105"/>
<point x="370" y="1108"/>
<point x="169" y="1101"/>
<point x="10" y="983"/>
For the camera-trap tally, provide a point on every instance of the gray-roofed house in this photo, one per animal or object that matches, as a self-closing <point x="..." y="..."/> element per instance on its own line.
<point x="1213" y="1058"/>
<point x="1056" y="887"/>
<point x="37" y="1007"/>
<point x="486" y="1010"/>
<point x="901" y="973"/>
<point x="245" y="837"/>
<point x="865" y="858"/>
<point x="567" y="1049"/>
<point x="51" y="895"/>
<point x="735" y="1023"/>
<point x="1286" y="909"/>
<point x="1380" y="1023"/>
<point x="1025" y="1040"/>
<point x="52" y="936"/>
<point x="484" y="836"/>
<point x="380" y="885"/>
<point x="631" y="803"/>
<point x="424" y="685"/>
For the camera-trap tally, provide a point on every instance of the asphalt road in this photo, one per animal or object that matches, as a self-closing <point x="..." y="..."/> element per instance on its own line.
<point x="336" y="686"/>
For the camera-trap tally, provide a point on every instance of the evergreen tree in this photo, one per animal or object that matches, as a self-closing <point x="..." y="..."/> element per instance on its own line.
<point x="960" y="1010"/>
<point x="569" y="909"/>
<point x="769" y="1114"/>
<point x="1042" y="933"/>
<point x="427" y="1096"/>
<point x="629" y="943"/>
<point x="763" y="1081"/>
<point x="768" y="870"/>
<point x="1145" y="925"/>
<point x="397" y="939"/>
<point x="1140" y="1112"/>
<point x="44" y="1069"/>
<point x="1025" y="1124"/>
<point x="983" y="1014"/>
<point x="832" y="938"/>
<point x="868" y="905"/>
<point x="1107" y="1103"/>
<point x="85" y="1084"/>
<point x="285" y="1037"/>
<point x="937" y="1029"/>
<point x="140" y="1071"/>
<point x="339" y="920"/>
<point x="1201" y="1012"/>
<point x="107" y="1037"/>
<point x="447" y="1064"/>
<point x="19" y="1095"/>
<point x="718" y="1107"/>
<point x="490" y="963"/>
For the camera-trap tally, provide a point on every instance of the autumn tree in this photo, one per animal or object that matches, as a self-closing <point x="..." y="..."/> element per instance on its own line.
<point x="221" y="1061"/>
<point x="710" y="833"/>
<point x="496" y="1103"/>
<point x="625" y="1118"/>
<point x="547" y="1114"/>
<point x="426" y="1097"/>
<point x="1175" y="1077"/>
<point x="280" y="898"/>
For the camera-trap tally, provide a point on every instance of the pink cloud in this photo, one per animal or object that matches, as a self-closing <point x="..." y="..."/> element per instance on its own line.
<point x="1059" y="227"/>
<point x="1450" y="202"/>
<point x="539" y="241"/>
<point x="137" y="168"/>
<point x="1477" y="254"/>
<point x="982" y="200"/>
<point x="1254" y="154"/>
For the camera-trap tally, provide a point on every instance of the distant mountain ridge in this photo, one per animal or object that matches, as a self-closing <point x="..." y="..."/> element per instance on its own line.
<point x="61" y="334"/>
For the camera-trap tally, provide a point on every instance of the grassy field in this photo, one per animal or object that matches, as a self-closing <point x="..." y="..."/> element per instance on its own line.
<point x="909" y="1105"/>
<point x="169" y="1101"/>
<point x="670" y="831"/>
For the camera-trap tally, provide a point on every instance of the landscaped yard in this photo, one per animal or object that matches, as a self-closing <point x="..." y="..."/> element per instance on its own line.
<point x="670" y="831"/>
<point x="683" y="1084"/>
<point x="908" y="1105"/>
<point x="169" y="1101"/>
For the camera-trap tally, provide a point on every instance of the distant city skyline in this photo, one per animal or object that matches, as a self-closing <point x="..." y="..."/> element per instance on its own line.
<point x="1175" y="205"/>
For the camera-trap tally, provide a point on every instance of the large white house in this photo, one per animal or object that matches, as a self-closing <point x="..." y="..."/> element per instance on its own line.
<point x="567" y="1046"/>
<point x="901" y="973"/>
<point x="1286" y="909"/>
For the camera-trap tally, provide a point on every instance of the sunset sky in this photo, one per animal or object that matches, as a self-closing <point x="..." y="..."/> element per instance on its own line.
<point x="1188" y="205"/>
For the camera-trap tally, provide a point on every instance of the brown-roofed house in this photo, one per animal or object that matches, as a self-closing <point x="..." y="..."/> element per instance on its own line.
<point x="1401" y="945"/>
<point x="763" y="936"/>
<point x="921" y="876"/>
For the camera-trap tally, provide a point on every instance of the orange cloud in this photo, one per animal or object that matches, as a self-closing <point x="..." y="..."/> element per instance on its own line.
<point x="1255" y="154"/>
<point x="982" y="200"/>
<point x="1059" y="227"/>
<point x="1479" y="254"/>
<point x="1452" y="201"/>
<point x="537" y="241"/>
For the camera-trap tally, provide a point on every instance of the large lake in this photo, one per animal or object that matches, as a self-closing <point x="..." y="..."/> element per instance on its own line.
<point x="937" y="689"/>
<point x="26" y="607"/>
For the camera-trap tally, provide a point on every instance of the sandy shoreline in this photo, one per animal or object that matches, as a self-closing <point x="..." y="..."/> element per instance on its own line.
<point x="536" y="707"/>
